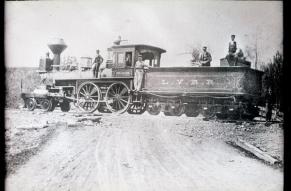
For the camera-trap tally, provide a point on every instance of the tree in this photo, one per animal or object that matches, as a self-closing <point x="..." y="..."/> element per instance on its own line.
<point x="273" y="79"/>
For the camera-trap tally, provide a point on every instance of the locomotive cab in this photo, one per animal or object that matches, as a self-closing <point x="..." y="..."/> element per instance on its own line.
<point x="122" y="58"/>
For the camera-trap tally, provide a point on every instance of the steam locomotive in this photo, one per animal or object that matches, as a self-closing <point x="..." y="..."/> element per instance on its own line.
<point x="232" y="90"/>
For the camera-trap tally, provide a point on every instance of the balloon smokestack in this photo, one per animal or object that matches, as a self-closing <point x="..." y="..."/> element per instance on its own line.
<point x="57" y="46"/>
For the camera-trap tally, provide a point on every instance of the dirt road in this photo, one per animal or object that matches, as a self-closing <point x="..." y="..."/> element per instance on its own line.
<point x="140" y="153"/>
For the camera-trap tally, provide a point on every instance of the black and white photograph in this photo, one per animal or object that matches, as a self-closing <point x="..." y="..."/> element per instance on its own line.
<point x="144" y="95"/>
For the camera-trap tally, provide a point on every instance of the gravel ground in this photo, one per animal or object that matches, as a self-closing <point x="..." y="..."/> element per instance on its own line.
<point x="268" y="138"/>
<point x="27" y="132"/>
<point x="137" y="152"/>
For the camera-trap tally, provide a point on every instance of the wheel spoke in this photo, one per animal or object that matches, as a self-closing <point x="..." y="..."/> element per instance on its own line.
<point x="114" y="104"/>
<point x="94" y="90"/>
<point x="113" y="92"/>
<point x="86" y="86"/>
<point x="123" y="91"/>
<point x="123" y="100"/>
<point x="121" y="103"/>
<point x="89" y="87"/>
<point x="83" y="89"/>
<point x="117" y="89"/>
<point x="82" y="94"/>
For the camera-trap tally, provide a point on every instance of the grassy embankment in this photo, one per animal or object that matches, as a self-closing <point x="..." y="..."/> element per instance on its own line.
<point x="14" y="76"/>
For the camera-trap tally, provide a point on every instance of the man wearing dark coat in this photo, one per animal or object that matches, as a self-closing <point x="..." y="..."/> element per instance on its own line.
<point x="232" y="47"/>
<point x="96" y="64"/>
<point x="205" y="57"/>
<point x="269" y="103"/>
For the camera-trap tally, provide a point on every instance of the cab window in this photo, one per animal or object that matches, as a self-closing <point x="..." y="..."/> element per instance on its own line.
<point x="150" y="59"/>
<point x="120" y="58"/>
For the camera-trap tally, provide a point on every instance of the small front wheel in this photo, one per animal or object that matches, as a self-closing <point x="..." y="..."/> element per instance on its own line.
<point x="30" y="104"/>
<point x="46" y="104"/>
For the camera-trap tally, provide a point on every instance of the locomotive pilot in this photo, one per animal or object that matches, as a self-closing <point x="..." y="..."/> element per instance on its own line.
<point x="96" y="64"/>
<point x="205" y="57"/>
<point x="139" y="73"/>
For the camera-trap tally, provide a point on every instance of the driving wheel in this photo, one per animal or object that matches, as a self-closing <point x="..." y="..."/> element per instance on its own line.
<point x="117" y="97"/>
<point x="88" y="97"/>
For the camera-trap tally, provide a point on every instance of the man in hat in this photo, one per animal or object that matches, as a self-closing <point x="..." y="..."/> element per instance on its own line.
<point x="96" y="64"/>
<point x="139" y="72"/>
<point x="48" y="62"/>
<point x="232" y="47"/>
<point x="205" y="57"/>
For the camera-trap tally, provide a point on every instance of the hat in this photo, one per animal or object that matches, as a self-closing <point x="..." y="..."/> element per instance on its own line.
<point x="140" y="56"/>
<point x="233" y="35"/>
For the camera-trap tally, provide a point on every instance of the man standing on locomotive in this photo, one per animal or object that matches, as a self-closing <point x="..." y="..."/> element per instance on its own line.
<point x="232" y="47"/>
<point x="48" y="62"/>
<point x="96" y="64"/>
<point x="139" y="72"/>
<point x="205" y="57"/>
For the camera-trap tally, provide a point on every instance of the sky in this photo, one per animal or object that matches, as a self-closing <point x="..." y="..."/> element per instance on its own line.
<point x="176" y="26"/>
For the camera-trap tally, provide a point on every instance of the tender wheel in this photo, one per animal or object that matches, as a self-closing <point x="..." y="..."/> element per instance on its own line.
<point x="192" y="110"/>
<point x="178" y="110"/>
<point x="209" y="112"/>
<point x="46" y="105"/>
<point x="88" y="97"/>
<point x="233" y="115"/>
<point x="250" y="113"/>
<point x="30" y="104"/>
<point x="153" y="109"/>
<point x="138" y="105"/>
<point x="223" y="113"/>
<point x="117" y="97"/>
<point x="65" y="106"/>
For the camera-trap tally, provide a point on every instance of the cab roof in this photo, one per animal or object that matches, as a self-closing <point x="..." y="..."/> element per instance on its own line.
<point x="139" y="46"/>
